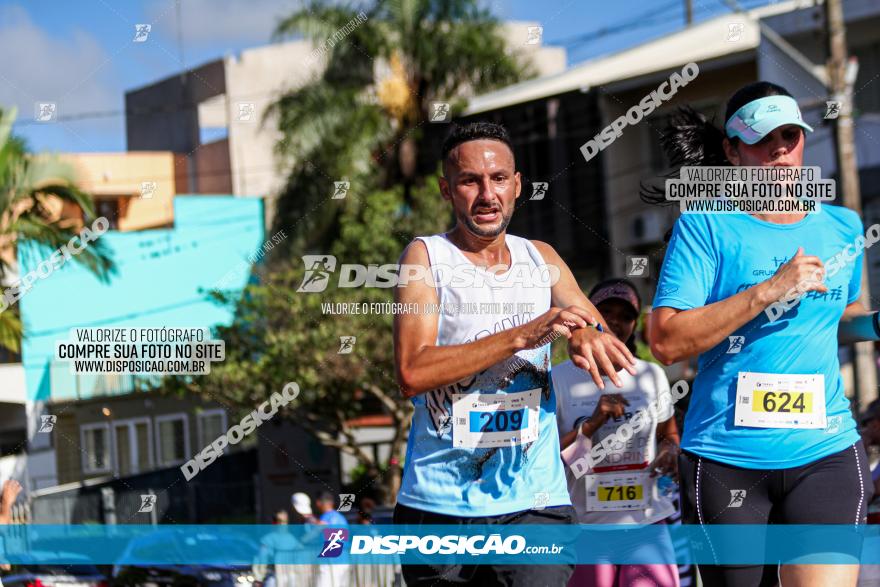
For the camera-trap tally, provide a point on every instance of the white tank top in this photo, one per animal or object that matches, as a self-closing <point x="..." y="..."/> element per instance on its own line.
<point x="478" y="301"/>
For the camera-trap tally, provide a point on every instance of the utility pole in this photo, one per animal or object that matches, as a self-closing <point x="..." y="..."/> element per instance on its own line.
<point x="689" y="12"/>
<point x="841" y="75"/>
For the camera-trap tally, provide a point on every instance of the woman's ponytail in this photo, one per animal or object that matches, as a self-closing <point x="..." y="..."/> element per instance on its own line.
<point x="690" y="140"/>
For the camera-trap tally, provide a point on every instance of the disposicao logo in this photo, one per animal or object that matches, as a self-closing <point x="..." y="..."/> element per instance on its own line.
<point x="320" y="268"/>
<point x="334" y="542"/>
<point x="318" y="271"/>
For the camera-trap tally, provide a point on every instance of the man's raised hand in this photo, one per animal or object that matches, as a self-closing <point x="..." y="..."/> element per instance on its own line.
<point x="600" y="353"/>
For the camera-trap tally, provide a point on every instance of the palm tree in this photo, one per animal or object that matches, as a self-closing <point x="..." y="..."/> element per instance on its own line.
<point x="29" y="187"/>
<point x="364" y="118"/>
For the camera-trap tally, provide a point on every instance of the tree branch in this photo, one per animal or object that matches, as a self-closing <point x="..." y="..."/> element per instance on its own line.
<point x="383" y="397"/>
<point x="351" y="447"/>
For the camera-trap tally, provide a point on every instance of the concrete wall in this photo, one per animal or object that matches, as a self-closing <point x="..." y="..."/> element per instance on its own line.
<point x="291" y="460"/>
<point x="164" y="116"/>
<point x="12" y="383"/>
<point x="235" y="93"/>
<point x="14" y="467"/>
<point x="545" y="60"/>
<point x="258" y="77"/>
<point x="215" y="172"/>
<point x="381" y="436"/>
<point x="125" y="176"/>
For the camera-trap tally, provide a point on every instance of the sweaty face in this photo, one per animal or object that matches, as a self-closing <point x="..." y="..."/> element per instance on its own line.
<point x="482" y="184"/>
<point x="781" y="146"/>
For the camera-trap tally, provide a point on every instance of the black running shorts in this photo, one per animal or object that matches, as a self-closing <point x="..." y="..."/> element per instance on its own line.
<point x="833" y="490"/>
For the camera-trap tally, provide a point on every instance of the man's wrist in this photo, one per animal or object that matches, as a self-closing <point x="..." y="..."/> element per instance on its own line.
<point x="519" y="341"/>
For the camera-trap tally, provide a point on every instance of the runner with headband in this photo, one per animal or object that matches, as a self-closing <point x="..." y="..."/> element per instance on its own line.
<point x="621" y="487"/>
<point x="769" y="436"/>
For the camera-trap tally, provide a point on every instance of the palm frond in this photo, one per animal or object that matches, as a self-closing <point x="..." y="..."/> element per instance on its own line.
<point x="43" y="238"/>
<point x="10" y="330"/>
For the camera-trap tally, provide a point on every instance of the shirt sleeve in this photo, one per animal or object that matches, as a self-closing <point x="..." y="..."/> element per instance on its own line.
<point x="689" y="267"/>
<point x="854" y="288"/>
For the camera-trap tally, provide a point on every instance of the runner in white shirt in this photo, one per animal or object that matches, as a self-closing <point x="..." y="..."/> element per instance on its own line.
<point x="621" y="488"/>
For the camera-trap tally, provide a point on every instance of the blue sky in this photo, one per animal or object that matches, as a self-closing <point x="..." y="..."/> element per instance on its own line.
<point x="80" y="54"/>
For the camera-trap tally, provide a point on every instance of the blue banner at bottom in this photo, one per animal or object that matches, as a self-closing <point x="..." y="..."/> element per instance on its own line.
<point x="243" y="545"/>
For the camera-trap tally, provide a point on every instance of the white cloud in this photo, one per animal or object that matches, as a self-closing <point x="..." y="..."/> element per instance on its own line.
<point x="72" y="71"/>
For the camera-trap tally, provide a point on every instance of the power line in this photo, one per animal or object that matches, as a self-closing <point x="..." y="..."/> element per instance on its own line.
<point x="643" y="20"/>
<point x="633" y="23"/>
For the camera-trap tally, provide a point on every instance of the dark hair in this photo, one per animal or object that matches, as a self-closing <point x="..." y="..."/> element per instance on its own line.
<point x="473" y="131"/>
<point x="325" y="496"/>
<point x="692" y="140"/>
<point x="631" y="342"/>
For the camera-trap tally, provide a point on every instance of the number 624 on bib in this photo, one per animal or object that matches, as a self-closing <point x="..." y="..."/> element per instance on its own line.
<point x="774" y="400"/>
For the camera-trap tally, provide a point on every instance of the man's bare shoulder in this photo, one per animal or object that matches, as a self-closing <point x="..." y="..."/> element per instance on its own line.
<point x="547" y="251"/>
<point x="415" y="253"/>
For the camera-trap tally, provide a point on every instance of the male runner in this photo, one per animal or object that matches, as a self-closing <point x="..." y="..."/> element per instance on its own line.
<point x="483" y="441"/>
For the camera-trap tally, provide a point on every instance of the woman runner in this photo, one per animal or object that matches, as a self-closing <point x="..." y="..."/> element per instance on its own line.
<point x="768" y="437"/>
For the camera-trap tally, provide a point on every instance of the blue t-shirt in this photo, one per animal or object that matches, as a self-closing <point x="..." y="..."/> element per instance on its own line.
<point x="712" y="257"/>
<point x="334" y="518"/>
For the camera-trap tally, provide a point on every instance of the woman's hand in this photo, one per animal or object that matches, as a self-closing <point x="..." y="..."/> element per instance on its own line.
<point x="11" y="489"/>
<point x="801" y="273"/>
<point x="611" y="405"/>
<point x="666" y="461"/>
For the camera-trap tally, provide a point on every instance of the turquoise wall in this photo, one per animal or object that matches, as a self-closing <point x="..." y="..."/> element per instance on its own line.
<point x="158" y="277"/>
